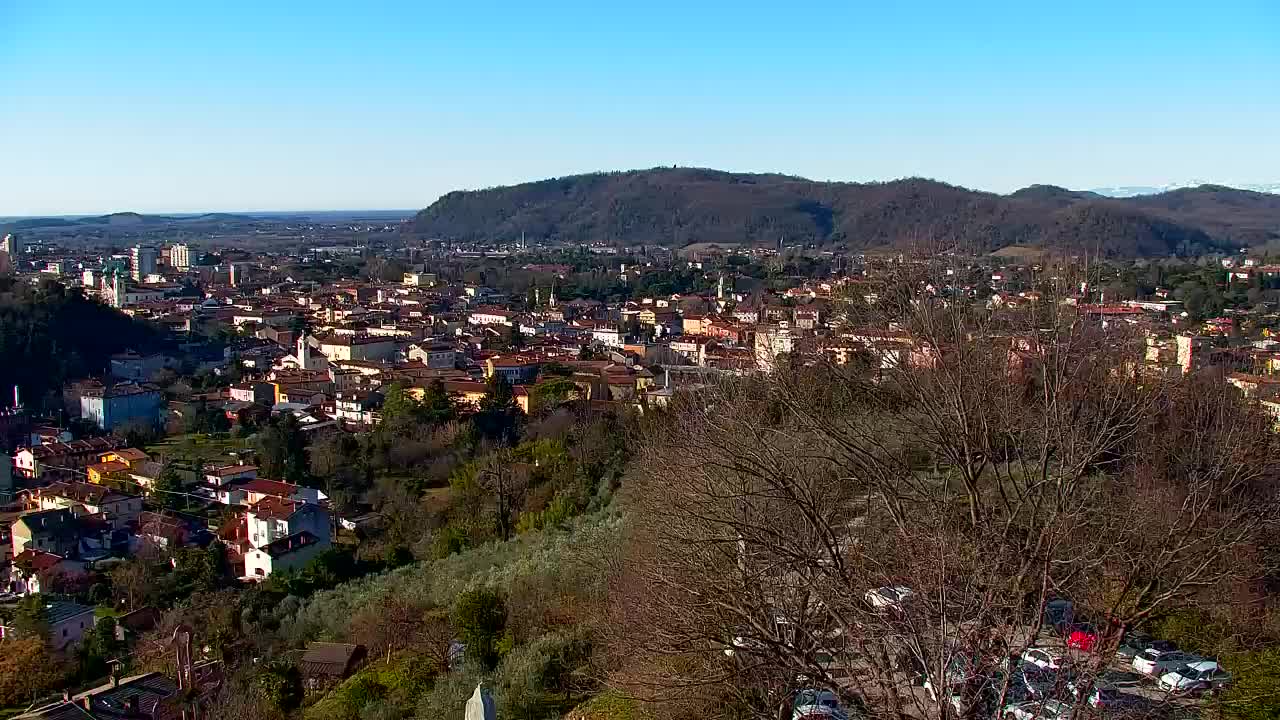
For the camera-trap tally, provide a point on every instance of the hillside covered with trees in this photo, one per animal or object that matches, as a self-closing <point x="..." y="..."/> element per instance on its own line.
<point x="50" y="334"/>
<point x="681" y="206"/>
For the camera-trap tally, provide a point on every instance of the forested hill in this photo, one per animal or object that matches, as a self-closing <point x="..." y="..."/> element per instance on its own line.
<point x="51" y="334"/>
<point x="680" y="206"/>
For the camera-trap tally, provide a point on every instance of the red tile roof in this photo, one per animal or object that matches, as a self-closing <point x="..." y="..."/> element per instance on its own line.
<point x="278" y="488"/>
<point x="275" y="508"/>
<point x="231" y="470"/>
<point x="37" y="560"/>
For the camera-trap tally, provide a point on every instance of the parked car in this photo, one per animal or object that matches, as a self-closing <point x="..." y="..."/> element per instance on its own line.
<point x="888" y="598"/>
<point x="816" y="704"/>
<point x="1158" y="662"/>
<point x="1135" y="643"/>
<point x="1195" y="677"/>
<point x="1040" y="683"/>
<point x="1058" y="615"/>
<point x="1082" y="637"/>
<point x="1038" y="710"/>
<point x="1047" y="658"/>
<point x="1101" y="695"/>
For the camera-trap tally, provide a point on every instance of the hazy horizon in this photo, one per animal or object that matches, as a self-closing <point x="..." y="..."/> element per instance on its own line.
<point x="243" y="107"/>
<point x="410" y="211"/>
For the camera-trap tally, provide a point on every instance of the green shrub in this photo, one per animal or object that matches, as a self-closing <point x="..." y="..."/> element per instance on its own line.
<point x="480" y="616"/>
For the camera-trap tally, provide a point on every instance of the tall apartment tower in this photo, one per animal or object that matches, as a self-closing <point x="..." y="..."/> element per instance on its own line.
<point x="11" y="246"/>
<point x="142" y="261"/>
<point x="180" y="257"/>
<point x="239" y="273"/>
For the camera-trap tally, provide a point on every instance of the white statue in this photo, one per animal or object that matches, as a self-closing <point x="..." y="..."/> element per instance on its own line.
<point x="480" y="706"/>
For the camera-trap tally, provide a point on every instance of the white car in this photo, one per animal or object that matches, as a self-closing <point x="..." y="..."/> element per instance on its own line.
<point x="889" y="598"/>
<point x="1156" y="662"/>
<point x="813" y="703"/>
<point x="1046" y="658"/>
<point x="1202" y="676"/>
<point x="1036" y="710"/>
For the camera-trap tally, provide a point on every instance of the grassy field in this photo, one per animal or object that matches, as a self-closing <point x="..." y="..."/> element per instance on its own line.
<point x="197" y="447"/>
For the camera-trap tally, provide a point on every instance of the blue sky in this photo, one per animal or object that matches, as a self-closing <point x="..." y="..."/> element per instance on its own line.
<point x="188" y="105"/>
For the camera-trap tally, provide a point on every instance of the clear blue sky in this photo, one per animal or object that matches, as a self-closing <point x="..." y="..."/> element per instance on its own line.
<point x="183" y="105"/>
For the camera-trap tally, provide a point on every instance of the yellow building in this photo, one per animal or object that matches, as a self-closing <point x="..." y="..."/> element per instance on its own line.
<point x="470" y="393"/>
<point x="103" y="471"/>
<point x="131" y="457"/>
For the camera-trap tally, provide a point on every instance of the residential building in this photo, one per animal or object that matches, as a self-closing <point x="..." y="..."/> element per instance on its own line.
<point x="6" y="478"/>
<point x="437" y="356"/>
<point x="491" y="316"/>
<point x="164" y="530"/>
<point x="56" y="531"/>
<point x="68" y="622"/>
<point x="239" y="273"/>
<point x="324" y="665"/>
<point x="472" y="392"/>
<point x="62" y="458"/>
<point x="180" y="257"/>
<point x="139" y="368"/>
<point x="419" y="279"/>
<point x="142" y="261"/>
<point x="226" y="481"/>
<point x="284" y="534"/>
<point x="692" y="349"/>
<point x="139" y="697"/>
<point x="37" y="571"/>
<point x="254" y="392"/>
<point x="610" y="337"/>
<point x="114" y="406"/>
<point x="770" y="343"/>
<point x="259" y="489"/>
<point x="357" y="406"/>
<point x="358" y="347"/>
<point x="11" y="246"/>
<point x="516" y="369"/>
<point x="131" y="457"/>
<point x="118" y="508"/>
<point x="693" y="324"/>
<point x="104" y="472"/>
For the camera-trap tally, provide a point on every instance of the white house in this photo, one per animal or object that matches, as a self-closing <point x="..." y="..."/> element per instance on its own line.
<point x="491" y="316"/>
<point x="68" y="622"/>
<point x="259" y="489"/>
<point x="284" y="534"/>
<point x="228" y="474"/>
<point x="611" y="337"/>
<point x="358" y="347"/>
<point x="437" y="356"/>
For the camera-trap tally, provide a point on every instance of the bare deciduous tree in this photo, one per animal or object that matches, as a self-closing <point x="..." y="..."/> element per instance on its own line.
<point x="872" y="529"/>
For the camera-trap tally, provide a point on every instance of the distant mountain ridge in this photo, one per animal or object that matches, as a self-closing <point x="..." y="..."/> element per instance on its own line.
<point x="1128" y="191"/>
<point x="680" y="206"/>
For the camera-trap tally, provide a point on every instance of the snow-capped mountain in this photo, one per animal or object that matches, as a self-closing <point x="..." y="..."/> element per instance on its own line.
<point x="1127" y="191"/>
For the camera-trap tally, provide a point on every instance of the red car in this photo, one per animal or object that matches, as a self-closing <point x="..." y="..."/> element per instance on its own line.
<point x="1082" y="637"/>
